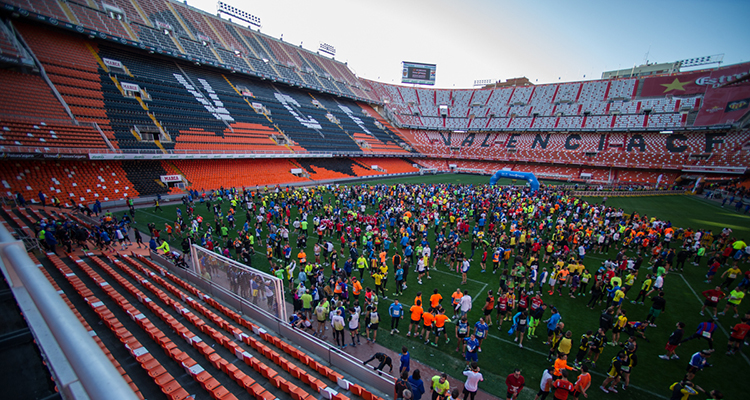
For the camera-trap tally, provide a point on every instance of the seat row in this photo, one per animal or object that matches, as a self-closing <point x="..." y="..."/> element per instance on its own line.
<point x="169" y="386"/>
<point x="186" y="291"/>
<point x="272" y="375"/>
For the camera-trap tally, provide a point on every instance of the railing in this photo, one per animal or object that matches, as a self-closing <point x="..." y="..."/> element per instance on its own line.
<point x="627" y="193"/>
<point x="106" y="140"/>
<point x="79" y="367"/>
<point x="312" y="345"/>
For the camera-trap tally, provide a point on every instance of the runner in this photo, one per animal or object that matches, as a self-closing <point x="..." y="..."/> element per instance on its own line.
<point x="473" y="377"/>
<point x="545" y="385"/>
<point x="395" y="311"/>
<point x="416" y="316"/>
<point x="658" y="307"/>
<point x="520" y="326"/>
<point x="582" y="384"/>
<point x="472" y="348"/>
<point x="673" y="342"/>
<point x="428" y="318"/>
<point x="515" y="383"/>
<point x="698" y="361"/>
<point x="462" y="330"/>
<point x="480" y="332"/>
<point x="713" y="296"/>
<point x="354" y="326"/>
<point x="440" y="386"/>
<point x="738" y="335"/>
<point x="615" y="372"/>
<point x="563" y="387"/>
<point x="383" y="360"/>
<point x="440" y="320"/>
<point x="734" y="300"/>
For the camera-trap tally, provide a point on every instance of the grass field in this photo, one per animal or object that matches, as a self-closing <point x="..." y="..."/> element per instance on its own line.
<point x="650" y="378"/>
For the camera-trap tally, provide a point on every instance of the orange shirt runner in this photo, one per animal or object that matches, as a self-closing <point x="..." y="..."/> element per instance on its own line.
<point x="428" y="319"/>
<point x="440" y="320"/>
<point x="416" y="313"/>
<point x="435" y="300"/>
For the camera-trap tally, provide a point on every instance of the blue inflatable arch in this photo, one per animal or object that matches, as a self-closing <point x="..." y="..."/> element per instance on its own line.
<point x="527" y="176"/>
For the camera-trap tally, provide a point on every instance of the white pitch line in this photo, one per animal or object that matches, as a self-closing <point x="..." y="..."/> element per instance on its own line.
<point x="478" y="294"/>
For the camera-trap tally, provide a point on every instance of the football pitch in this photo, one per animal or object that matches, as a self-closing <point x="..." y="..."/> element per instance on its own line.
<point x="650" y="378"/>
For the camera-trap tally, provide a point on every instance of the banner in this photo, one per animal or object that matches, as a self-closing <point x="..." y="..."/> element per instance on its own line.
<point x="171" y="178"/>
<point x="692" y="82"/>
<point x="164" y="25"/>
<point x="130" y="87"/>
<point x="724" y="105"/>
<point x="112" y="63"/>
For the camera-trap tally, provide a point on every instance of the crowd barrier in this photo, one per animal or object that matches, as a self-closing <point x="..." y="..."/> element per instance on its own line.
<point x="627" y="193"/>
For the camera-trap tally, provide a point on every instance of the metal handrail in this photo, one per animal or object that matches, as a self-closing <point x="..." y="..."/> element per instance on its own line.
<point x="98" y="376"/>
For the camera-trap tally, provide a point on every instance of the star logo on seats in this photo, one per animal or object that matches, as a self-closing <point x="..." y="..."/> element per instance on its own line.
<point x="675" y="85"/>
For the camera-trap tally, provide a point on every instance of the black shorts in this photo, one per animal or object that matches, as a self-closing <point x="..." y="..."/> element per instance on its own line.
<point x="709" y="303"/>
<point x="461" y="337"/>
<point x="616" y="329"/>
<point x="502" y="312"/>
<point x="487" y="312"/>
<point x="374" y="327"/>
<point x="439" y="330"/>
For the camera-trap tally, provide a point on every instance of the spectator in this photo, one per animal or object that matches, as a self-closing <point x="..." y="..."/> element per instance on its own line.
<point x="417" y="386"/>
<point x="473" y="377"/>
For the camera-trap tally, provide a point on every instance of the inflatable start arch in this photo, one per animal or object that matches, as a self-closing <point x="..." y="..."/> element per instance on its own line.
<point x="527" y="176"/>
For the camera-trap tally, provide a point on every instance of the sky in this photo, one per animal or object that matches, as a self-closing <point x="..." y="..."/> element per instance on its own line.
<point x="546" y="41"/>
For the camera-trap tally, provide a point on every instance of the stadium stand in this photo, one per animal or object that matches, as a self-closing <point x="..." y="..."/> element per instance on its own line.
<point x="178" y="106"/>
<point x="71" y="181"/>
<point x="214" y="174"/>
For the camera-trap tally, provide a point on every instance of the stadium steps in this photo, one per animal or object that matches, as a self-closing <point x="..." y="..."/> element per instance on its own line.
<point x="89" y="312"/>
<point x="300" y="360"/>
<point x="285" y="377"/>
<point x="144" y="174"/>
<point x="155" y="335"/>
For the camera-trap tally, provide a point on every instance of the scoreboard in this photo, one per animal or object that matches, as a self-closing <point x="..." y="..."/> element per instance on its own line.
<point x="418" y="73"/>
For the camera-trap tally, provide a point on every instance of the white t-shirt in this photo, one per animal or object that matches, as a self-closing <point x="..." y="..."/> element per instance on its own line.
<point x="546" y="382"/>
<point x="465" y="303"/>
<point x="472" y="380"/>
<point x="354" y="320"/>
<point x="659" y="282"/>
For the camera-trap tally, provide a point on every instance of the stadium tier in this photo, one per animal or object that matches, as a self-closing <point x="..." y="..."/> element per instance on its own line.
<point x="174" y="28"/>
<point x="102" y="99"/>
<point x="74" y="182"/>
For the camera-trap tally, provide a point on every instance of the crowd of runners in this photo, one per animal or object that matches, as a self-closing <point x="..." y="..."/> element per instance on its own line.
<point x="368" y="240"/>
